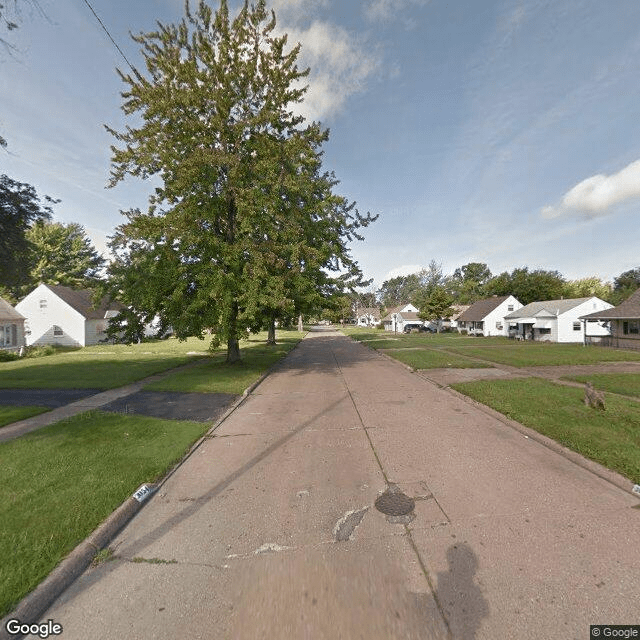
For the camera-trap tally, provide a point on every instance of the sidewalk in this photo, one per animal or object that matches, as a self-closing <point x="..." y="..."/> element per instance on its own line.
<point x="269" y="529"/>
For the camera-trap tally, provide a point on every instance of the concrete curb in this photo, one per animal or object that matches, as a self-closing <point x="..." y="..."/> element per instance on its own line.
<point x="612" y="477"/>
<point x="32" y="606"/>
<point x="594" y="467"/>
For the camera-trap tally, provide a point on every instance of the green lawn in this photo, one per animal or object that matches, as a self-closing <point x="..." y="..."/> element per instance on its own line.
<point x="531" y="354"/>
<point x="13" y="414"/>
<point x="610" y="437"/>
<point x="380" y="339"/>
<point x="59" y="483"/>
<point x="109" y="366"/>
<point x="627" y="384"/>
<point x="432" y="359"/>
<point x="99" y="367"/>
<point x="215" y="376"/>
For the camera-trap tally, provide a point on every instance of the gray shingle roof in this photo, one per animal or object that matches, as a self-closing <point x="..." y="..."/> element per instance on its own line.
<point x="554" y="307"/>
<point x="81" y="301"/>
<point x="629" y="309"/>
<point x="7" y="312"/>
<point x="481" y="309"/>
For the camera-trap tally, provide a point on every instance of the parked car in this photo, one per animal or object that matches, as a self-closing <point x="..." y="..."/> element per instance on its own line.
<point x="417" y="328"/>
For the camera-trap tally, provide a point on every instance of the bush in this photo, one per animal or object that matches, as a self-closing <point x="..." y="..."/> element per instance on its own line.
<point x="463" y="332"/>
<point x="46" y="350"/>
<point x="8" y="356"/>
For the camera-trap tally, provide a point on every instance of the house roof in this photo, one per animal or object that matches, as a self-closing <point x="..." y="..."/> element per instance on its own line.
<point x="629" y="309"/>
<point x="481" y="309"/>
<point x="552" y="308"/>
<point x="7" y="312"/>
<point x="409" y="315"/>
<point x="458" y="310"/>
<point x="369" y="311"/>
<point x="396" y="309"/>
<point x="82" y="301"/>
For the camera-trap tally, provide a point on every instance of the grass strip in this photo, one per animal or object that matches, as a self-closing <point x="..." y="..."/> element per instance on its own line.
<point x="534" y="354"/>
<point x="59" y="483"/>
<point x="9" y="414"/>
<point x="627" y="384"/>
<point x="610" y="437"/>
<point x="432" y="359"/>
<point x="216" y="376"/>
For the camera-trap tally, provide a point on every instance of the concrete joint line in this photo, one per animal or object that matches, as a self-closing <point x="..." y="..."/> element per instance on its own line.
<point x="33" y="605"/>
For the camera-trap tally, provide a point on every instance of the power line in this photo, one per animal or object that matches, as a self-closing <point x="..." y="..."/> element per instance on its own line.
<point x="110" y="38"/>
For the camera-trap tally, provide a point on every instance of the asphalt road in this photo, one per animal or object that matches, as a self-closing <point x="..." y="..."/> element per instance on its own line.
<point x="270" y="530"/>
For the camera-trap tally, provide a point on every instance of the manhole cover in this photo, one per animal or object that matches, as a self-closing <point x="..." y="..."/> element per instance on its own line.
<point x="395" y="503"/>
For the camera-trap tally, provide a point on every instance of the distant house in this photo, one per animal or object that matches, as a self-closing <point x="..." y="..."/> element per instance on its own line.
<point x="623" y="320"/>
<point x="452" y="321"/>
<point x="487" y="317"/>
<point x="398" y="318"/>
<point x="11" y="327"/>
<point x="558" y="320"/>
<point x="368" y="317"/>
<point x="62" y="315"/>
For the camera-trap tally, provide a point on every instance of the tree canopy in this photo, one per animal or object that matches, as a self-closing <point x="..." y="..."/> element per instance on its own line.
<point x="245" y="225"/>
<point x="20" y="207"/>
<point x="63" y="254"/>
<point x="527" y="286"/>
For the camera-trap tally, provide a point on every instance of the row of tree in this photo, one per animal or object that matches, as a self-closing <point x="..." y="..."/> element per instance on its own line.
<point x="474" y="281"/>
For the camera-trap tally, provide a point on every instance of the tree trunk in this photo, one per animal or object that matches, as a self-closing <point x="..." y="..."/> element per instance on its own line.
<point x="233" y="344"/>
<point x="233" y="351"/>
<point x="300" y="327"/>
<point x="271" y="335"/>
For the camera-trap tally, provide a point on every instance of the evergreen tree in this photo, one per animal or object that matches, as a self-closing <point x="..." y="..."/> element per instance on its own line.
<point x="244" y="225"/>
<point x="63" y="254"/>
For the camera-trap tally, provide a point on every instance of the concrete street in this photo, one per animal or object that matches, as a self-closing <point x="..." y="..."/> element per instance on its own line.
<point x="269" y="529"/>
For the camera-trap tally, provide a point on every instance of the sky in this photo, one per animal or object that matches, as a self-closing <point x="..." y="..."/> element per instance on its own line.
<point x="496" y="131"/>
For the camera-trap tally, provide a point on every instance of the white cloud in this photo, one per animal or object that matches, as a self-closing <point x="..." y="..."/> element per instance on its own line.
<point x="381" y="10"/>
<point x="404" y="270"/>
<point x="596" y="195"/>
<point x="340" y="65"/>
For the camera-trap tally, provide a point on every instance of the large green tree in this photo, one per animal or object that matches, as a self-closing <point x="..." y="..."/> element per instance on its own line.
<point x="244" y="225"/>
<point x="63" y="254"/>
<point x="625" y="284"/>
<point x="434" y="305"/>
<point x="527" y="286"/>
<point x="467" y="283"/>
<point x="20" y="207"/>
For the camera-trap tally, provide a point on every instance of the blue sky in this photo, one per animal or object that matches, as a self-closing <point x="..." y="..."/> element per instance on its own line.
<point x="497" y="131"/>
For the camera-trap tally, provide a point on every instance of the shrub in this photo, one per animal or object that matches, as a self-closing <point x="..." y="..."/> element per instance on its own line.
<point x="8" y="356"/>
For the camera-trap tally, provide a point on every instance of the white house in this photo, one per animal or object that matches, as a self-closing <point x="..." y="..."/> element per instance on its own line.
<point x="558" y="320"/>
<point x="367" y="317"/>
<point x="400" y="317"/>
<point x="61" y="315"/>
<point x="487" y="317"/>
<point x="11" y="327"/>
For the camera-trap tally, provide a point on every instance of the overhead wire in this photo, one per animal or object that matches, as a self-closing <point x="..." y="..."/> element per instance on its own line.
<point x="115" y="44"/>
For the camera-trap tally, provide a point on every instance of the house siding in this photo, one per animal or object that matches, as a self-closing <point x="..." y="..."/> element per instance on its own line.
<point x="95" y="331"/>
<point x="565" y="322"/>
<point x="497" y="316"/>
<point x="41" y="321"/>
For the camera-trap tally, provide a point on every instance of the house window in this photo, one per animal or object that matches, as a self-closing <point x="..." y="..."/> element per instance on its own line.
<point x="8" y="335"/>
<point x="57" y="331"/>
<point x="43" y="304"/>
<point x="544" y="331"/>
<point x="510" y="307"/>
<point x="576" y="326"/>
<point x="499" y="325"/>
<point x="630" y="326"/>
